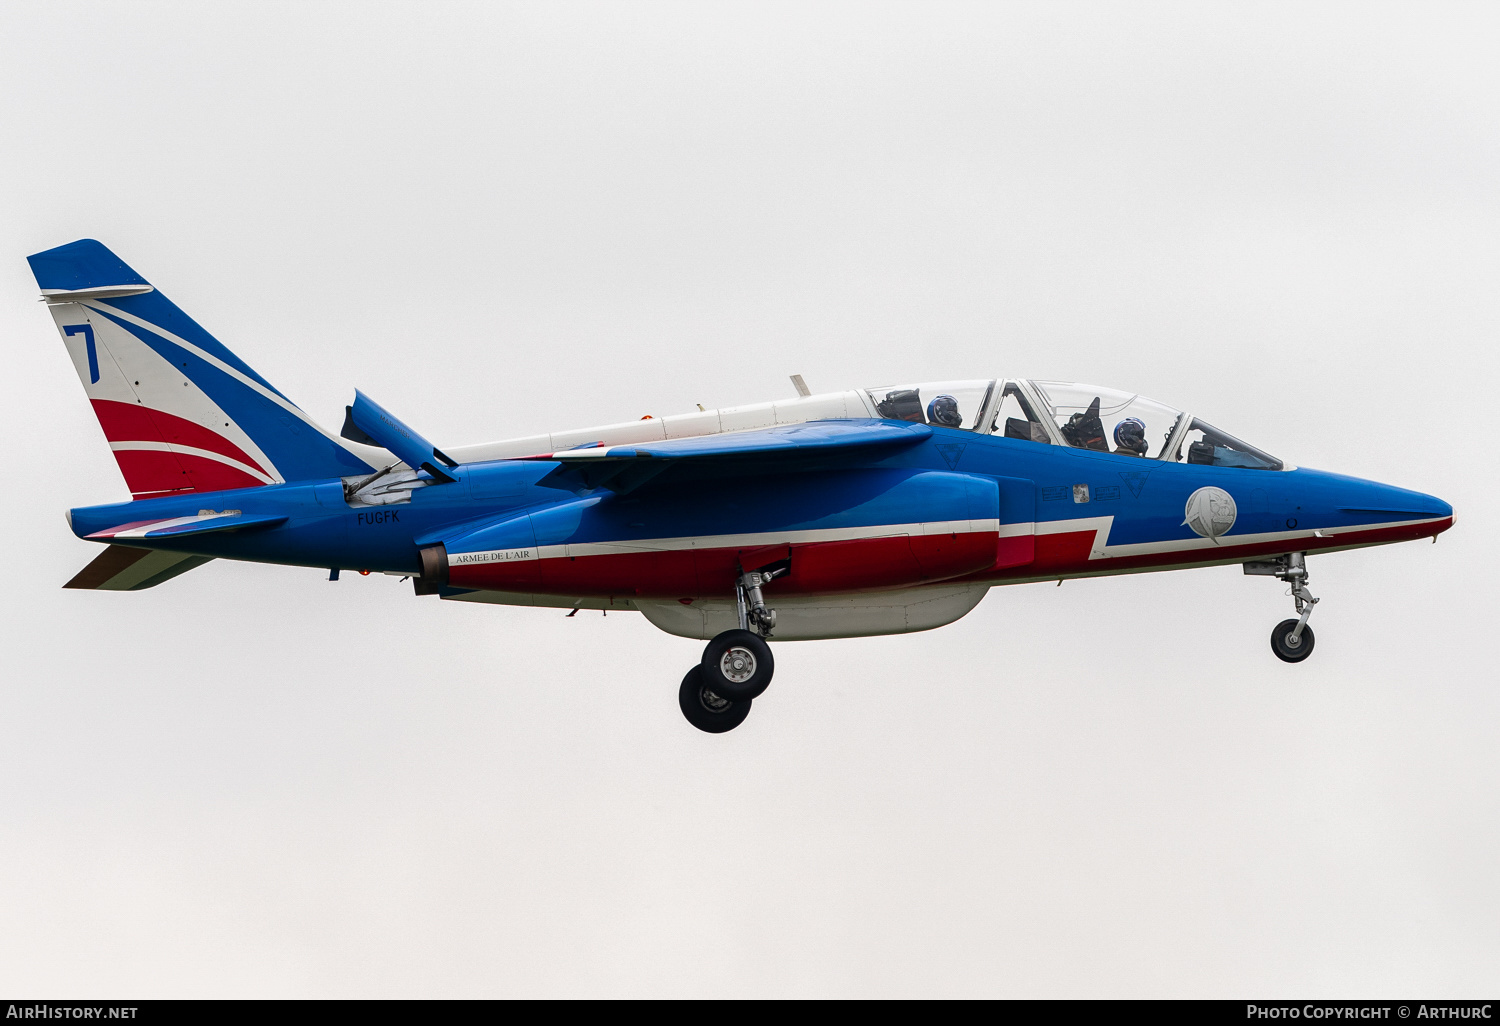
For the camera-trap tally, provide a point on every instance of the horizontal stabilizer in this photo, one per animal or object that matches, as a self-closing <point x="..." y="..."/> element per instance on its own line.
<point x="369" y="422"/>
<point x="101" y="292"/>
<point x="812" y="436"/>
<point x="119" y="568"/>
<point x="205" y="522"/>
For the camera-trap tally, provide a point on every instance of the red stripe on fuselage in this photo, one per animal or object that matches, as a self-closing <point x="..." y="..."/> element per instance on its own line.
<point x="1061" y="550"/>
<point x="867" y="564"/>
<point x="1068" y="554"/>
<point x="124" y="422"/>
<point x="874" y="564"/>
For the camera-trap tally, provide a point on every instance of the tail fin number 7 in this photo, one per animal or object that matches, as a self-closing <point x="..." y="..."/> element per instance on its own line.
<point x="88" y="342"/>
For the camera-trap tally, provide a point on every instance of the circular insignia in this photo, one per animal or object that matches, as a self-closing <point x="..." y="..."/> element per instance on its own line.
<point x="1210" y="512"/>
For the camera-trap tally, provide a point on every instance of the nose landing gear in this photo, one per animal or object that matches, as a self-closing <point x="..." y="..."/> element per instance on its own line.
<point x="1291" y="640"/>
<point x="737" y="664"/>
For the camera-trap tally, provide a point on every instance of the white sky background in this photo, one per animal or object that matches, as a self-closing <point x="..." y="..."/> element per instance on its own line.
<point x="499" y="220"/>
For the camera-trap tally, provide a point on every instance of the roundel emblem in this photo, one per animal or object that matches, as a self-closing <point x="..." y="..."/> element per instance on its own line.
<point x="1210" y="512"/>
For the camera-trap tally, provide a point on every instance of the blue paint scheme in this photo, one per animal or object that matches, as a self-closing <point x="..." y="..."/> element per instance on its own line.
<point x="85" y="264"/>
<point x="299" y="451"/>
<point x="814" y="501"/>
<point x="777" y="450"/>
<point x="811" y="437"/>
<point x="812" y="476"/>
<point x="389" y="431"/>
<point x="849" y="487"/>
<point x="224" y="523"/>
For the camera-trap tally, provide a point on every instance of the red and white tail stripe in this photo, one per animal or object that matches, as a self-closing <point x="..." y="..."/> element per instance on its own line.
<point x="167" y="435"/>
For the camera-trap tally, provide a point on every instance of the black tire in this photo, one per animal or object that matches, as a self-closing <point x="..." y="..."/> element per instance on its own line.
<point x="706" y="710"/>
<point x="1281" y="642"/>
<point x="738" y="665"/>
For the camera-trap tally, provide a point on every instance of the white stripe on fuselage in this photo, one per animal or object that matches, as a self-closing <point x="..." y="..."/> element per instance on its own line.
<point x="1099" y="549"/>
<point x="729" y="541"/>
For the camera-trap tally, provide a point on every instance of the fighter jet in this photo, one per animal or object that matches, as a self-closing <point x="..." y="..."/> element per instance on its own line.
<point x="867" y="511"/>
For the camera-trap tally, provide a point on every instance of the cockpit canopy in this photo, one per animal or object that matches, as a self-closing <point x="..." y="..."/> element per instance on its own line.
<point x="1069" y="413"/>
<point x="955" y="404"/>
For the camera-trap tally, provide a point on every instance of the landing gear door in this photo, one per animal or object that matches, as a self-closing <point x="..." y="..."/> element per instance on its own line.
<point x="1017" y="543"/>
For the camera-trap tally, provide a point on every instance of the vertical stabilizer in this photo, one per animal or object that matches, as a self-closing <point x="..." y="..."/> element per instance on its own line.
<point x="181" y="412"/>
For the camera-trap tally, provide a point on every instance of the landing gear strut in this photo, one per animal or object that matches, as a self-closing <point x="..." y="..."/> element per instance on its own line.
<point x="752" y="606"/>
<point x="737" y="664"/>
<point x="1291" y="640"/>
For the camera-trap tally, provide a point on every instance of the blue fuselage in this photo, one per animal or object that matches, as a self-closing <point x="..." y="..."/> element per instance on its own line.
<point x="1132" y="510"/>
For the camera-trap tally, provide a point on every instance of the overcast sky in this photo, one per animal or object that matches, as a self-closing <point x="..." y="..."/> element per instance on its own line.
<point x="503" y="219"/>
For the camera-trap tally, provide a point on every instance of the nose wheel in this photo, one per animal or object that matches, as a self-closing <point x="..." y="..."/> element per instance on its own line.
<point x="1290" y="644"/>
<point x="1291" y="640"/>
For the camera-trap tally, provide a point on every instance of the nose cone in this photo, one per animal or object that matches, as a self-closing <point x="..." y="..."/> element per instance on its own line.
<point x="1350" y="501"/>
<point x="1438" y="508"/>
<point x="1405" y="504"/>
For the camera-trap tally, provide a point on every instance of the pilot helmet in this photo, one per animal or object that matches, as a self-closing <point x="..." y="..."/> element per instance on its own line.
<point x="1130" y="434"/>
<point x="943" y="411"/>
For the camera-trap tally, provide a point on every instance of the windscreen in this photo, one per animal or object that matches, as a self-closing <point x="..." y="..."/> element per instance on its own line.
<point x="1206" y="445"/>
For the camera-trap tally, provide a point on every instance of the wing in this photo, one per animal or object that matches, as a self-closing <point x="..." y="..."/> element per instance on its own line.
<point x="624" y="468"/>
<point x="813" y="436"/>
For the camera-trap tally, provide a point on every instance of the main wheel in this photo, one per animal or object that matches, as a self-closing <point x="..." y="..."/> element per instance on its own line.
<point x="1287" y="649"/>
<point x="737" y="665"/>
<point x="704" y="709"/>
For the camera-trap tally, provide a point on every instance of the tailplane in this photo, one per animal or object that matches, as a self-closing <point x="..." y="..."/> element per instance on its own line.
<point x="181" y="412"/>
<point x="119" y="568"/>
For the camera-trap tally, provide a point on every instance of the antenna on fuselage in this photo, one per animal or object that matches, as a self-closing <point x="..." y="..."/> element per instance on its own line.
<point x="801" y="386"/>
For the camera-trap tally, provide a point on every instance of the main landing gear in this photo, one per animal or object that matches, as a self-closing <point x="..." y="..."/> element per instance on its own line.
<point x="1291" y="640"/>
<point x="707" y="710"/>
<point x="737" y="665"/>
